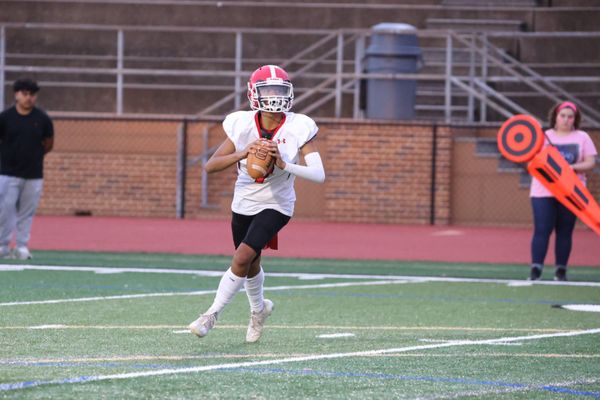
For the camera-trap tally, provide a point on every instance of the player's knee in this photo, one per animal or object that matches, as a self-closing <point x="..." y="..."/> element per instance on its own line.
<point x="243" y="257"/>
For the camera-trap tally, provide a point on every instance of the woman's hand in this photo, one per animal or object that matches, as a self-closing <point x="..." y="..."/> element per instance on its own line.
<point x="587" y="164"/>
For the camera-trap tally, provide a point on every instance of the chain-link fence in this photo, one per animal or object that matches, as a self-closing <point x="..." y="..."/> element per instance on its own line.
<point x="487" y="189"/>
<point x="383" y="173"/>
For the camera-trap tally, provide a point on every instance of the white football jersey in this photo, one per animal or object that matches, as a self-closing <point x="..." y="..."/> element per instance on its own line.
<point x="277" y="190"/>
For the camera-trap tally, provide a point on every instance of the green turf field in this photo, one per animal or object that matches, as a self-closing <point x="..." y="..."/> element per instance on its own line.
<point x="113" y="326"/>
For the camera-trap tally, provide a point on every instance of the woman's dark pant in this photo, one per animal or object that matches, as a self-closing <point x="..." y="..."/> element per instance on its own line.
<point x="548" y="215"/>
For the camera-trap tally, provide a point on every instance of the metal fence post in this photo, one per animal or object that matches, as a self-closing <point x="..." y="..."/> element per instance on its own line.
<point x="204" y="183"/>
<point x="448" y="87"/>
<point x="182" y="137"/>
<point x="434" y="144"/>
<point x="471" y="99"/>
<point x="359" y="51"/>
<point x="120" y="52"/>
<point x="484" y="72"/>
<point x="339" y="70"/>
<point x="238" y="70"/>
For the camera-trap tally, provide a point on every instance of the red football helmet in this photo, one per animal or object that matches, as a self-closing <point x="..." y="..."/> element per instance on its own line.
<point x="270" y="89"/>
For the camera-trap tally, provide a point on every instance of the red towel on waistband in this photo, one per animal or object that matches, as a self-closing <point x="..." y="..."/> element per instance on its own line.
<point x="272" y="243"/>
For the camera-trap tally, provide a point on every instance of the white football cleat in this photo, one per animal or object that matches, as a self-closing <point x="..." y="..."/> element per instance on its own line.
<point x="257" y="321"/>
<point x="203" y="324"/>
<point x="22" y="253"/>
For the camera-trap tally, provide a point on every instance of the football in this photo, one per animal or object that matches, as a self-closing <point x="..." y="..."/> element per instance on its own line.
<point x="260" y="163"/>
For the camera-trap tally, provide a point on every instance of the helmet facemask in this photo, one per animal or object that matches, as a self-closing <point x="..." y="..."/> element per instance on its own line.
<point x="272" y="95"/>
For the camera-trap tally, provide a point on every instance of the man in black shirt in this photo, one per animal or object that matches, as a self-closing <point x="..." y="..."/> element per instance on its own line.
<point x="26" y="135"/>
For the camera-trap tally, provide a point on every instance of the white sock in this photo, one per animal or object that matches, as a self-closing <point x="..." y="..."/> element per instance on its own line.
<point x="228" y="287"/>
<point x="254" y="291"/>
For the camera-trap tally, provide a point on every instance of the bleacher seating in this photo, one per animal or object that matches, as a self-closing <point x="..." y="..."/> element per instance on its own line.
<point x="194" y="51"/>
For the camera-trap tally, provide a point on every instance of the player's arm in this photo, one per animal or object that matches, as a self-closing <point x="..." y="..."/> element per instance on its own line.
<point x="588" y="163"/>
<point x="313" y="170"/>
<point x="48" y="144"/>
<point x="226" y="156"/>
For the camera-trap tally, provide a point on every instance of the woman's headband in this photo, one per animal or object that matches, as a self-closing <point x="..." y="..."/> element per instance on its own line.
<point x="566" y="104"/>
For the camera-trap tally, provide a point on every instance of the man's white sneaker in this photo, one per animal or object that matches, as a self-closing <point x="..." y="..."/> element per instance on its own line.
<point x="202" y="325"/>
<point x="22" y="253"/>
<point x="257" y="322"/>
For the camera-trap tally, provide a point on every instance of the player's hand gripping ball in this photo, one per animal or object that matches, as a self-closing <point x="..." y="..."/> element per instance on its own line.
<point x="260" y="163"/>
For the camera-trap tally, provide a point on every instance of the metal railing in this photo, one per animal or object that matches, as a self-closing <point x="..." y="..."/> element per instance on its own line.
<point x="330" y="68"/>
<point x="515" y="70"/>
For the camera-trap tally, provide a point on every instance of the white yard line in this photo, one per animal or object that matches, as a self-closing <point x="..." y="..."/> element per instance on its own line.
<point x="318" y="357"/>
<point x="98" y="298"/>
<point x="335" y="335"/>
<point x="33" y="361"/>
<point x="582" y="307"/>
<point x="291" y="327"/>
<point x="105" y="270"/>
<point x="382" y="280"/>
<point x="450" y="341"/>
<point x="198" y="293"/>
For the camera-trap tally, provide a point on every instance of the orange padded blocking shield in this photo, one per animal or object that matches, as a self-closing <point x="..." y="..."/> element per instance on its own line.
<point x="520" y="138"/>
<point x="518" y="141"/>
<point x="555" y="173"/>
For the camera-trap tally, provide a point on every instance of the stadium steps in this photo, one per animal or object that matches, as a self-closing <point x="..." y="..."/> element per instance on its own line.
<point x="336" y="14"/>
<point x="488" y="148"/>
<point x="493" y="3"/>
<point x="477" y="25"/>
<point x="434" y="58"/>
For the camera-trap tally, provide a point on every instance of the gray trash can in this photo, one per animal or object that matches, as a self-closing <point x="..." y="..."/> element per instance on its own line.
<point x="394" y="48"/>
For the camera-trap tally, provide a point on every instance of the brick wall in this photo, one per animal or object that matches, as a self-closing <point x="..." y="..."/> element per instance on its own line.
<point x="109" y="185"/>
<point x="376" y="173"/>
<point x="111" y="168"/>
<point x="382" y="173"/>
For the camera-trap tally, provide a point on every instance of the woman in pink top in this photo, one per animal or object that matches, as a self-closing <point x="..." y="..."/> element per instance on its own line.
<point x="548" y="213"/>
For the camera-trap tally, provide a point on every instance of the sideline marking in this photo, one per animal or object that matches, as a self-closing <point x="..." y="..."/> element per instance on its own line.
<point x="335" y="335"/>
<point x="582" y="307"/>
<point x="199" y="293"/>
<point x="172" y="371"/>
<point x="520" y="283"/>
<point x="451" y="341"/>
<point x="411" y="279"/>
<point x="303" y="327"/>
<point x="119" y="297"/>
<point x="51" y="326"/>
<point x="83" y="360"/>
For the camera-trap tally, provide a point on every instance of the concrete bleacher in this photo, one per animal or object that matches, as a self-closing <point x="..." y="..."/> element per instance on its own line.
<point x="191" y="51"/>
<point x="249" y="14"/>
<point x="92" y="147"/>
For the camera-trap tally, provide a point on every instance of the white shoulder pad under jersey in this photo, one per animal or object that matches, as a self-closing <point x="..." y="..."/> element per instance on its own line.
<point x="302" y="127"/>
<point x="240" y="128"/>
<point x="276" y="191"/>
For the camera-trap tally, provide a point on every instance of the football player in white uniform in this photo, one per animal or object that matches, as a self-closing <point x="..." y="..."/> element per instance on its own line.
<point x="261" y="207"/>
